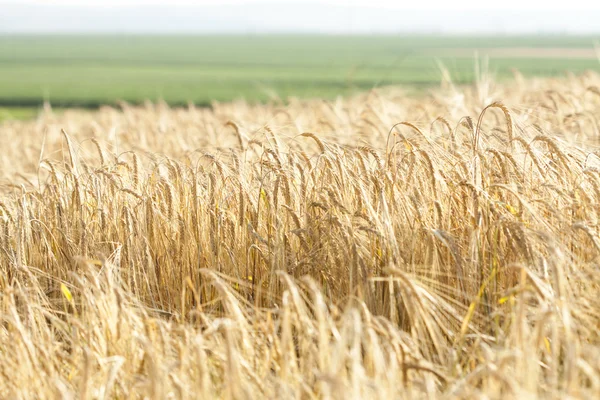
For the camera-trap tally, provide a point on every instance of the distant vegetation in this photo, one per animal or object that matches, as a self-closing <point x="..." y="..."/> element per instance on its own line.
<point x="92" y="70"/>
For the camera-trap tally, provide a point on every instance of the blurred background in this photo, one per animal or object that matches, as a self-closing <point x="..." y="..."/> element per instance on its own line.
<point x="89" y="53"/>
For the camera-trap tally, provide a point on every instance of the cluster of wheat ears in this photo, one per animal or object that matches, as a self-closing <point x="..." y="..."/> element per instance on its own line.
<point x="381" y="246"/>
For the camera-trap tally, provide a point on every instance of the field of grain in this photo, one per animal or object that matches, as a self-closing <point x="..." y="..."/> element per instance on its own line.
<point x="378" y="246"/>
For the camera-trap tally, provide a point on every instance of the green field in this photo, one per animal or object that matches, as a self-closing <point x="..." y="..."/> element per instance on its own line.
<point x="92" y="70"/>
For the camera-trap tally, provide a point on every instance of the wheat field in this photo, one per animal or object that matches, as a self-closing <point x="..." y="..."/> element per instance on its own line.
<point x="444" y="245"/>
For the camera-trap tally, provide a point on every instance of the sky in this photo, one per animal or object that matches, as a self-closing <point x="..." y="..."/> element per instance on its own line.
<point x="297" y="16"/>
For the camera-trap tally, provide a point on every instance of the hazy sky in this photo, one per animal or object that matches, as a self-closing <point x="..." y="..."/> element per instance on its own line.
<point x="297" y="16"/>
